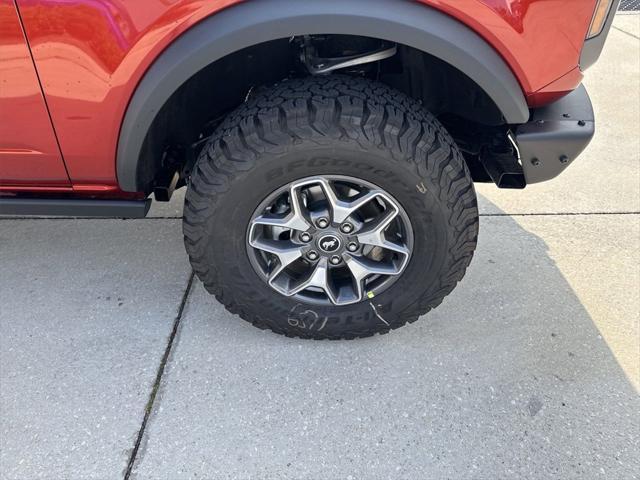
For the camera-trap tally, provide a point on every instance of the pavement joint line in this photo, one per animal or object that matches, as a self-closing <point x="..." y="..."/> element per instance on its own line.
<point x="525" y="214"/>
<point x="158" y="379"/>
<point x="627" y="33"/>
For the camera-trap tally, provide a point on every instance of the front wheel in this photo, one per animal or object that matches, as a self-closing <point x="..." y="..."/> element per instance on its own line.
<point x="330" y="207"/>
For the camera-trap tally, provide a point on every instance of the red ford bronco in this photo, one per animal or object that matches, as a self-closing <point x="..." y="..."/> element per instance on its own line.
<point x="328" y="147"/>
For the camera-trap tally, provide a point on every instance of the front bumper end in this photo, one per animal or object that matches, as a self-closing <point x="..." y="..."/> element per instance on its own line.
<point x="555" y="135"/>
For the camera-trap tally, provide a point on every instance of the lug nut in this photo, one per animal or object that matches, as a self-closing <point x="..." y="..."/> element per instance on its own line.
<point x="312" y="255"/>
<point x="346" y="228"/>
<point x="335" y="260"/>
<point x="352" y="247"/>
<point x="322" y="223"/>
<point x="305" y="237"/>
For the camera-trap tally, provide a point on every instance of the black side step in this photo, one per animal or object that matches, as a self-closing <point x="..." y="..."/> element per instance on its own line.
<point x="62" y="207"/>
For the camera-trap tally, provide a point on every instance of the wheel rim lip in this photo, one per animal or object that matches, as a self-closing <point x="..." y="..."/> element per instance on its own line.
<point x="253" y="253"/>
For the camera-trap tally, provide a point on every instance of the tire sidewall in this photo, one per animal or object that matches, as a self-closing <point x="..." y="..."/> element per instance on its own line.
<point x="420" y="197"/>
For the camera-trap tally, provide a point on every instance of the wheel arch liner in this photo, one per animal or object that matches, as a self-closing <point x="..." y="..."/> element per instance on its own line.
<point x="249" y="23"/>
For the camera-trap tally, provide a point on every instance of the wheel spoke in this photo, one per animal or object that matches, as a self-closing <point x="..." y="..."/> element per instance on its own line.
<point x="341" y="209"/>
<point x="319" y="277"/>
<point x="374" y="234"/>
<point x="287" y="252"/>
<point x="294" y="220"/>
<point x="362" y="267"/>
<point x="298" y="209"/>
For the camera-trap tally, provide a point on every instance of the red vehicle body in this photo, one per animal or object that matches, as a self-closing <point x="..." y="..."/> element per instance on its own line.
<point x="70" y="68"/>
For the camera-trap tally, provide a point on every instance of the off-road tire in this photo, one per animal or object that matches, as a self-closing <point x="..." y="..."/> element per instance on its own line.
<point x="330" y="125"/>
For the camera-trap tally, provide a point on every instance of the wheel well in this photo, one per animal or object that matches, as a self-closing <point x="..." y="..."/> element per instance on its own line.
<point x="199" y="104"/>
<point x="258" y="26"/>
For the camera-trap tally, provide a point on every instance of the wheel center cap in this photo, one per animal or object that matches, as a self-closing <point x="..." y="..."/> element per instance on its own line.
<point x="329" y="243"/>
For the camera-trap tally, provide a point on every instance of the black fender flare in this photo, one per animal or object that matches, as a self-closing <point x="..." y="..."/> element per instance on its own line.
<point x="402" y="21"/>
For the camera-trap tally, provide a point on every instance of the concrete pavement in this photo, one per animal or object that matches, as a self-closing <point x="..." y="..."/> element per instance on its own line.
<point x="509" y="378"/>
<point x="530" y="369"/>
<point x="86" y="308"/>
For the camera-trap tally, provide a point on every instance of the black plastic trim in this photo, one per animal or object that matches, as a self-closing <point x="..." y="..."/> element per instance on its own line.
<point x="555" y="136"/>
<point x="592" y="47"/>
<point x="249" y="23"/>
<point x="61" y="207"/>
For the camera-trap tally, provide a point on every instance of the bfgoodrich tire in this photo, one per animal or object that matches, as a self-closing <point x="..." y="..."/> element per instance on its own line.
<point x="330" y="129"/>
